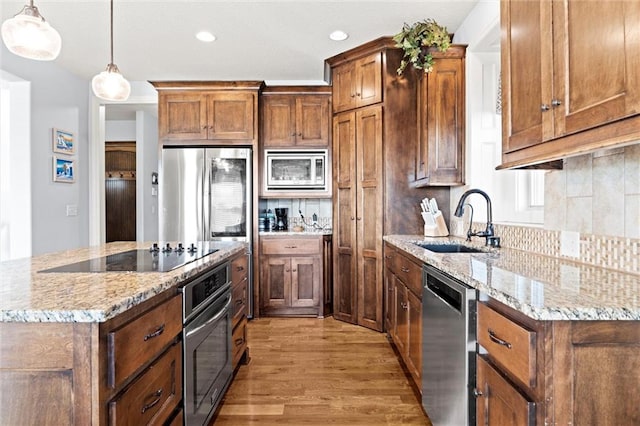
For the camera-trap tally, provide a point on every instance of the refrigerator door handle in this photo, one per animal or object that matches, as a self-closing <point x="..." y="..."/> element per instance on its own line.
<point x="206" y="199"/>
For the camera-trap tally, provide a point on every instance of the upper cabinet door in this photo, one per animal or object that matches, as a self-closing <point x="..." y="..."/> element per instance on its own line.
<point x="182" y="116"/>
<point x="230" y="115"/>
<point x="278" y="121"/>
<point x="312" y="120"/>
<point x="526" y="73"/>
<point x="344" y="92"/>
<point x="596" y="63"/>
<point x="369" y="80"/>
<point x="357" y="83"/>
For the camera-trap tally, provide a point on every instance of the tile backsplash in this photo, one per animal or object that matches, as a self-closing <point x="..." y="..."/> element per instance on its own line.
<point x="596" y="196"/>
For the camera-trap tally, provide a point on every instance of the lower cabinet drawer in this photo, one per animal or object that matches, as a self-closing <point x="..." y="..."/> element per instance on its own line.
<point x="153" y="396"/>
<point x="409" y="273"/>
<point x="291" y="246"/>
<point x="509" y="344"/>
<point x="239" y="302"/>
<point x="238" y="342"/>
<point x="140" y="340"/>
<point x="239" y="268"/>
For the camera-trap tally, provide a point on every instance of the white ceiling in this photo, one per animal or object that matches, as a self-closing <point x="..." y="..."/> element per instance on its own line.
<point x="277" y="41"/>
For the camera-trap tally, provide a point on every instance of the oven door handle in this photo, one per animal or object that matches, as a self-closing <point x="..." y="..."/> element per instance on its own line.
<point x="213" y="319"/>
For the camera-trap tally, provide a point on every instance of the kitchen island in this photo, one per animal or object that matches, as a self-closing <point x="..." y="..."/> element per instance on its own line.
<point x="559" y="340"/>
<point x="69" y="347"/>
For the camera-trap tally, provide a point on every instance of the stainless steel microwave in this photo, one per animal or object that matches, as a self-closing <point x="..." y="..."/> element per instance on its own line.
<point x="295" y="170"/>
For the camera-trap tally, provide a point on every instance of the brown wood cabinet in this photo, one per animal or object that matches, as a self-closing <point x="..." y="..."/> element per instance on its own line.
<point x="207" y="112"/>
<point x="357" y="83"/>
<point x="440" y="151"/>
<point x="570" y="79"/>
<point x="403" y="301"/>
<point x="239" y="309"/>
<point x="295" y="117"/>
<point x="372" y="173"/>
<point x="555" y="372"/>
<point x="95" y="373"/>
<point x="292" y="275"/>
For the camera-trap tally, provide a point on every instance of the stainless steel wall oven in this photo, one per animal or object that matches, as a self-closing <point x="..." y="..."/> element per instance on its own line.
<point x="206" y="343"/>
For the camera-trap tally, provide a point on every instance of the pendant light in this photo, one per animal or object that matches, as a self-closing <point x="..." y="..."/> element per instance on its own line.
<point x="110" y="84"/>
<point x="28" y="35"/>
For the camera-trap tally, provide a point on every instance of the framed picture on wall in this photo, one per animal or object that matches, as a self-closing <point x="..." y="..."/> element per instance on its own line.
<point x="63" y="142"/>
<point x="63" y="170"/>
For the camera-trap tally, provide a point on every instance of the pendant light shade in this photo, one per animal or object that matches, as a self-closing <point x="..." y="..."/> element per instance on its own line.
<point x="110" y="85"/>
<point x="28" y="35"/>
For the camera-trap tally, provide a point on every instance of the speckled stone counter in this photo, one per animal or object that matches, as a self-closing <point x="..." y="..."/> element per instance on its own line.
<point x="541" y="287"/>
<point x="28" y="295"/>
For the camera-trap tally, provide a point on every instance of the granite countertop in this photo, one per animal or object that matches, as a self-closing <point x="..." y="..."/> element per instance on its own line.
<point x="27" y="295"/>
<point x="541" y="287"/>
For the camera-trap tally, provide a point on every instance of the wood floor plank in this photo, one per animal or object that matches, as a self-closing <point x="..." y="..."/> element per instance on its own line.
<point x="310" y="371"/>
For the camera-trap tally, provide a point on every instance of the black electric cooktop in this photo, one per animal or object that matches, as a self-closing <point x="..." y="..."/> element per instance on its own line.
<point x="151" y="260"/>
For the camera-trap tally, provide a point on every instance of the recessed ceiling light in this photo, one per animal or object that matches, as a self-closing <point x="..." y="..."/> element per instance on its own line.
<point x="205" y="36"/>
<point x="338" y="35"/>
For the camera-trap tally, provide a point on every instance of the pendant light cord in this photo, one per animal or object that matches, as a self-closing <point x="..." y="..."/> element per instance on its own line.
<point x="111" y="31"/>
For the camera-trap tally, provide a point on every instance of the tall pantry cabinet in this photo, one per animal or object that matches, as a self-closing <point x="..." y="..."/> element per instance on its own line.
<point x="374" y="136"/>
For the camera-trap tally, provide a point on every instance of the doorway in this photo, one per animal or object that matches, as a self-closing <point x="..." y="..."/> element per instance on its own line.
<point x="120" y="191"/>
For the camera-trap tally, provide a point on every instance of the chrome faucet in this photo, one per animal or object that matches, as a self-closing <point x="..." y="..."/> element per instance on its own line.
<point x="488" y="233"/>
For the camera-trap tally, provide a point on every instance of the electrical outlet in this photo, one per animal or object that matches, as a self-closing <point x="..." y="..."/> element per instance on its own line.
<point x="570" y="244"/>
<point x="72" y="210"/>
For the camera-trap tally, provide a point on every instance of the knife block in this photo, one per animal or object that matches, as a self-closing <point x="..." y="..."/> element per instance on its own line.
<point x="439" y="229"/>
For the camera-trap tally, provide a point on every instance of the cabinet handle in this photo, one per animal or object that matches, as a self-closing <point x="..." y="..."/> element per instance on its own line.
<point x="386" y="256"/>
<point x="358" y="218"/>
<point x="204" y="127"/>
<point x="294" y="270"/>
<point x="477" y="392"/>
<point x="352" y="218"/>
<point x="158" y="395"/>
<point x="239" y="268"/>
<point x="299" y="134"/>
<point x="239" y="342"/>
<point x="156" y="333"/>
<point x="239" y="302"/>
<point x="544" y="107"/>
<point x="290" y="247"/>
<point x="556" y="102"/>
<point x="358" y="94"/>
<point x="293" y="134"/>
<point x="498" y="340"/>
<point x="404" y="306"/>
<point x="353" y="95"/>
<point x="405" y="270"/>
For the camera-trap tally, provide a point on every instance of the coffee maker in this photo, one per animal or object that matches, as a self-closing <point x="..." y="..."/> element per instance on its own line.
<point x="281" y="219"/>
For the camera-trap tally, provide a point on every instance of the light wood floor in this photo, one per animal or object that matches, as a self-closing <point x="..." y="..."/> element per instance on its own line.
<point x="309" y="371"/>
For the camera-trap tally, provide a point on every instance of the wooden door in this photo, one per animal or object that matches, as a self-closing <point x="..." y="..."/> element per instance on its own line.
<point x="526" y="73"/>
<point x="276" y="282"/>
<point x="400" y="332"/>
<point x="596" y="63"/>
<point x="369" y="80"/>
<point x="500" y="403"/>
<point x="230" y="116"/>
<point x="120" y="191"/>
<point x="442" y="124"/>
<point x="414" y="352"/>
<point x="312" y="120"/>
<point x="344" y="92"/>
<point x="278" y="121"/>
<point x="344" y="212"/>
<point x="305" y="281"/>
<point x="369" y="214"/>
<point x="182" y="116"/>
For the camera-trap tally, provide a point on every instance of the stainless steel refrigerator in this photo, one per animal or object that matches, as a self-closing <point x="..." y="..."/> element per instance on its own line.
<point x="205" y="195"/>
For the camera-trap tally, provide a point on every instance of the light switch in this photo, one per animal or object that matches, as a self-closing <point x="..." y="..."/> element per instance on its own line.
<point x="72" y="210"/>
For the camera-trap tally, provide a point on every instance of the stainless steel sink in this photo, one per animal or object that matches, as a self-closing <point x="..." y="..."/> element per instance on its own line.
<point x="448" y="248"/>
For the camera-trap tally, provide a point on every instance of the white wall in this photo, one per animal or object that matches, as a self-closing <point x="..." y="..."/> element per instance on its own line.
<point x="58" y="100"/>
<point x="147" y="163"/>
<point x="144" y="131"/>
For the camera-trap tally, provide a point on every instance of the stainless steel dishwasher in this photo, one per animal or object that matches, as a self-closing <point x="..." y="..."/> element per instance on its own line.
<point x="448" y="349"/>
